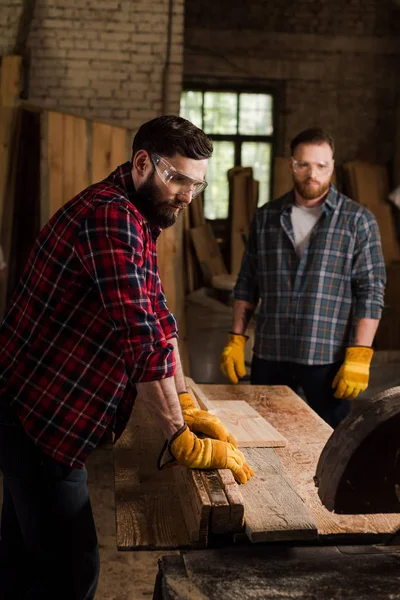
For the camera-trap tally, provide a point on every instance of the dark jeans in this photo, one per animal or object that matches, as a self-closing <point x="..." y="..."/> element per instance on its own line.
<point x="315" y="381"/>
<point x="48" y="547"/>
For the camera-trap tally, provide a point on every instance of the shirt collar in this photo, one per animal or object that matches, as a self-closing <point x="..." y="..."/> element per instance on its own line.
<point x="123" y="176"/>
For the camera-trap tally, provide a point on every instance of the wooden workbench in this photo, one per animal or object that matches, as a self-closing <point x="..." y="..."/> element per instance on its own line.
<point x="147" y="504"/>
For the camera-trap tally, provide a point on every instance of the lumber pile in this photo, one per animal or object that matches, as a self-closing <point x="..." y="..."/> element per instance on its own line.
<point x="368" y="184"/>
<point x="208" y="503"/>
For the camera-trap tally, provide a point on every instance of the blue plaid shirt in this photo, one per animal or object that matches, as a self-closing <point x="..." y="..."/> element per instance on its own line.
<point x="308" y="304"/>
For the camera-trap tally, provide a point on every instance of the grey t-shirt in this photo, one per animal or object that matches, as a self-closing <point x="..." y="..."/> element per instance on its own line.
<point x="303" y="221"/>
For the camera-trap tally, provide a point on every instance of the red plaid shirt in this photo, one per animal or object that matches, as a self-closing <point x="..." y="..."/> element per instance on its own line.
<point x="87" y="320"/>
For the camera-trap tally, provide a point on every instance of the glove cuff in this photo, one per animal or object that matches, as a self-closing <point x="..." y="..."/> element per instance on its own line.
<point x="166" y="457"/>
<point x="186" y="401"/>
<point x="238" y="339"/>
<point x="362" y="354"/>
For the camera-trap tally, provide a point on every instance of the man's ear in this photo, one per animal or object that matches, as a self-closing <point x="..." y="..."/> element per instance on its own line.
<point x="141" y="167"/>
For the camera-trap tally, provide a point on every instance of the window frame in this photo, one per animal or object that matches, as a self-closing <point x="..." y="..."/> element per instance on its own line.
<point x="238" y="138"/>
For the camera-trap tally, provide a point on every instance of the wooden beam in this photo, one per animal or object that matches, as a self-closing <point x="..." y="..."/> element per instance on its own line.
<point x="273" y="510"/>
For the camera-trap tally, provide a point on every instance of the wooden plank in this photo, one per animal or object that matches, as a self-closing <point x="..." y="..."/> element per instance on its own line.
<point x="234" y="497"/>
<point x="101" y="151"/>
<point x="10" y="86"/>
<point x="148" y="511"/>
<point x="195" y="504"/>
<point x="307" y="435"/>
<point x="273" y="509"/>
<point x="245" y="424"/>
<point x="207" y="251"/>
<point x="227" y="503"/>
<point x="239" y="218"/>
<point x="369" y="187"/>
<point x="118" y="147"/>
<point x="196" y="211"/>
<point x="68" y="161"/>
<point x="198" y="394"/>
<point x="283" y="180"/>
<point x="80" y="153"/>
<point x="55" y="157"/>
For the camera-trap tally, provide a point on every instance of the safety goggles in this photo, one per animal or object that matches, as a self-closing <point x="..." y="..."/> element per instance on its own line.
<point x="303" y="167"/>
<point x="176" y="182"/>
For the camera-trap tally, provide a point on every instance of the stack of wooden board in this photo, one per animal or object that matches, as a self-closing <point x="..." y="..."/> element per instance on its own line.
<point x="181" y="507"/>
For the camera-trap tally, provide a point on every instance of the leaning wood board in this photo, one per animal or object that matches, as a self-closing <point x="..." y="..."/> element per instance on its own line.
<point x="307" y="435"/>
<point x="249" y="429"/>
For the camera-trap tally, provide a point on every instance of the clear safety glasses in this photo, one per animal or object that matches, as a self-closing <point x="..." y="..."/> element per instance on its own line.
<point x="176" y="182"/>
<point x="302" y="167"/>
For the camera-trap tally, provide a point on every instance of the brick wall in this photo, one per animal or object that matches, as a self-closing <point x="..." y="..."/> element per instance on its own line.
<point x="10" y="13"/>
<point x="103" y="59"/>
<point x="334" y="64"/>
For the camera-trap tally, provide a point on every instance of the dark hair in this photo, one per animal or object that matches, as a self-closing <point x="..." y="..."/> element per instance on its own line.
<point x="169" y="135"/>
<point x="314" y="135"/>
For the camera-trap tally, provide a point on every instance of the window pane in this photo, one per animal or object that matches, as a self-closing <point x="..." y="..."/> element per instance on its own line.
<point x="216" y="195"/>
<point x="220" y="112"/>
<point x="258" y="156"/>
<point x="255" y="114"/>
<point x="191" y="107"/>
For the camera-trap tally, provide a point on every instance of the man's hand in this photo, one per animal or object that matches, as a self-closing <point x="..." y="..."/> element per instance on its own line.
<point x="201" y="421"/>
<point x="353" y="376"/>
<point x="232" y="358"/>
<point x="196" y="453"/>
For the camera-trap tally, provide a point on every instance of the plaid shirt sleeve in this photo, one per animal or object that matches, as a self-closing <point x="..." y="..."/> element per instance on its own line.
<point x="111" y="247"/>
<point x="166" y="319"/>
<point x="246" y="287"/>
<point x="369" y="274"/>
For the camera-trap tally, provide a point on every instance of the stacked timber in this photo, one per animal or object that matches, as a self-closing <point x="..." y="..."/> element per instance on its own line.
<point x="368" y="184"/>
<point x="181" y="508"/>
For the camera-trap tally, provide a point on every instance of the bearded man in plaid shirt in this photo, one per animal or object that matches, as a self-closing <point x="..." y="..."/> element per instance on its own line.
<point x="87" y="327"/>
<point x="314" y="260"/>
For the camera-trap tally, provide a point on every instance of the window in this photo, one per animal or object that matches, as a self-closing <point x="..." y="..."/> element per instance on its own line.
<point x="241" y="127"/>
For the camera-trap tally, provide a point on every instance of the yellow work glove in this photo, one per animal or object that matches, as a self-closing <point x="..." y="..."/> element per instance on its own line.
<point x="196" y="453"/>
<point x="232" y="358"/>
<point x="353" y="376"/>
<point x="200" y="421"/>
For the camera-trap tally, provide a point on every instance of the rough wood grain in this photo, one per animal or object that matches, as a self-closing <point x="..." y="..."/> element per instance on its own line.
<point x="273" y="509"/>
<point x="246" y="425"/>
<point x="195" y="504"/>
<point x="148" y="511"/>
<point x="248" y="428"/>
<point x="307" y="435"/>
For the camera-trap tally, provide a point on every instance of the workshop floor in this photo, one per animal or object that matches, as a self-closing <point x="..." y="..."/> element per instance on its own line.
<point x="131" y="575"/>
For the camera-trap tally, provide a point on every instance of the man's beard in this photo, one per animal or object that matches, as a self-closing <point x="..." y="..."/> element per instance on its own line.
<point x="310" y="193"/>
<point x="158" y="212"/>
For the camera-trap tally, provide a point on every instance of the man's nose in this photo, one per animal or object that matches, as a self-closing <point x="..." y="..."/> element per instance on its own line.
<point x="312" y="170"/>
<point x="187" y="196"/>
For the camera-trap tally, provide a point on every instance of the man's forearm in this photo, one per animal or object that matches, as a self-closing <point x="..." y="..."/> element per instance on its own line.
<point x="162" y="401"/>
<point x="364" y="331"/>
<point x="242" y="313"/>
<point x="180" y="382"/>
